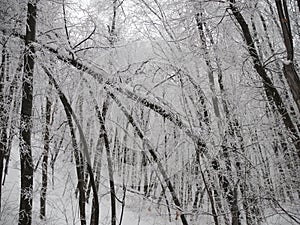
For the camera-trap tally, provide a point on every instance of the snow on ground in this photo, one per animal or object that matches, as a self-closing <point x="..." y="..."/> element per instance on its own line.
<point x="62" y="206"/>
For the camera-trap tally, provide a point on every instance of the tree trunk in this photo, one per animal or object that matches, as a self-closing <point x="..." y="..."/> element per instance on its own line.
<point x="111" y="176"/>
<point x="70" y="114"/>
<point x="108" y="157"/>
<point x="288" y="66"/>
<point x="230" y="128"/>
<point x="79" y="166"/>
<point x="45" y="160"/>
<point x="154" y="157"/>
<point x="25" y="210"/>
<point x="3" y="115"/>
<point x="79" y="169"/>
<point x="293" y="81"/>
<point x="98" y="162"/>
<point x="98" y="165"/>
<point x="269" y="88"/>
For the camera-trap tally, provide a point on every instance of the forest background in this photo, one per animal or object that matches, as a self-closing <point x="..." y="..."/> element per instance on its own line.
<point x="150" y="112"/>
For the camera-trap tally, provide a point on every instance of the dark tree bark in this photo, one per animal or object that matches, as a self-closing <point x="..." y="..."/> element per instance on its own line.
<point x="110" y="168"/>
<point x="154" y="157"/>
<point x="288" y="67"/>
<point x="25" y="210"/>
<point x="98" y="160"/>
<point x="79" y="165"/>
<point x="210" y="196"/>
<point x="272" y="93"/>
<point x="79" y="170"/>
<point x="104" y="136"/>
<point x="230" y="128"/>
<point x="3" y="115"/>
<point x="97" y="169"/>
<point x="45" y="160"/>
<point x="70" y="114"/>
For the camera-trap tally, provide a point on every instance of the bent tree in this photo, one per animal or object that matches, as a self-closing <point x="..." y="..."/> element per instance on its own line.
<point x="70" y="114"/>
<point x="205" y="122"/>
<point x="25" y="210"/>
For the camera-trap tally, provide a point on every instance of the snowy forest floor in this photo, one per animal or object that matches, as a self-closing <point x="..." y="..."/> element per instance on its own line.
<point x="62" y="204"/>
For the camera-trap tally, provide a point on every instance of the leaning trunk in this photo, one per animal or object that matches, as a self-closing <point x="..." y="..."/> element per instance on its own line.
<point x="288" y="67"/>
<point x="3" y="134"/>
<point x="269" y="88"/>
<point x="70" y="114"/>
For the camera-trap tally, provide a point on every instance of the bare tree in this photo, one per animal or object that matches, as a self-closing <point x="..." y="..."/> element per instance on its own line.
<point x="45" y="156"/>
<point x="271" y="92"/>
<point x="25" y="210"/>
<point x="289" y="64"/>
